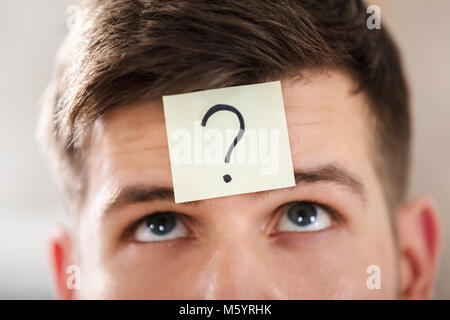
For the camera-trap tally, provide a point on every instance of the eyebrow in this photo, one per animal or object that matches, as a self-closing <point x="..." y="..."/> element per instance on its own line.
<point x="140" y="193"/>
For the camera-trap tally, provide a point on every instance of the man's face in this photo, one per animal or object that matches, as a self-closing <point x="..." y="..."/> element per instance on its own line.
<point x="245" y="246"/>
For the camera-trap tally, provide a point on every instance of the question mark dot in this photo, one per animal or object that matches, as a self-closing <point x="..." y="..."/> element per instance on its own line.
<point x="227" y="178"/>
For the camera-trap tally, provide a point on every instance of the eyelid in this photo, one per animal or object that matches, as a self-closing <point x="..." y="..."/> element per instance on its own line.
<point x="334" y="214"/>
<point x="129" y="232"/>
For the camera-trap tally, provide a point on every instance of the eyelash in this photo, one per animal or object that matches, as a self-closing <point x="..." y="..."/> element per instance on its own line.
<point x="130" y="230"/>
<point x="335" y="215"/>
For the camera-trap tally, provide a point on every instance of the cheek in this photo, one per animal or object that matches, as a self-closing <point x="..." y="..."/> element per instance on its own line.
<point x="334" y="269"/>
<point x="145" y="272"/>
<point x="330" y="265"/>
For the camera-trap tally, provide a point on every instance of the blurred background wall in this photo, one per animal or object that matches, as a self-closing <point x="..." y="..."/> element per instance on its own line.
<point x="31" y="31"/>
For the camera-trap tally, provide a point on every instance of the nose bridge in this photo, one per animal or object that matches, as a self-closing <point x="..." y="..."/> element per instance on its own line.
<point x="235" y="268"/>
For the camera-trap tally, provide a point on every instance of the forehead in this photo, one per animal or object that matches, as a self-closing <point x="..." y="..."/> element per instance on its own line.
<point x="326" y="121"/>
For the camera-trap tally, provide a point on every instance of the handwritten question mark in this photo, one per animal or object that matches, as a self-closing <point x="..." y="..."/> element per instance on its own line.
<point x="226" y="107"/>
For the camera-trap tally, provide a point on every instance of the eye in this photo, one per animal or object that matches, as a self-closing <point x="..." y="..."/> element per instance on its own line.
<point x="303" y="217"/>
<point x="161" y="226"/>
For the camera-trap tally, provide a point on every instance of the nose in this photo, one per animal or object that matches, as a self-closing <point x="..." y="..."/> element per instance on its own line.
<point x="236" y="267"/>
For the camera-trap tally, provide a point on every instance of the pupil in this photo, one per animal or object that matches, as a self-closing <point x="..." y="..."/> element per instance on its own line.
<point x="161" y="223"/>
<point x="302" y="214"/>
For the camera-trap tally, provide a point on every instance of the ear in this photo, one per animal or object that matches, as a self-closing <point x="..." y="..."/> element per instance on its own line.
<point x="419" y="237"/>
<point x="60" y="250"/>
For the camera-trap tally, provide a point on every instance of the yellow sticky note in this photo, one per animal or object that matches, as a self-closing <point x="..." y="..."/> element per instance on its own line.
<point x="228" y="141"/>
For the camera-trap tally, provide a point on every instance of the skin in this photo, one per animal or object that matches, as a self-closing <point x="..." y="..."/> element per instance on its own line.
<point x="235" y="248"/>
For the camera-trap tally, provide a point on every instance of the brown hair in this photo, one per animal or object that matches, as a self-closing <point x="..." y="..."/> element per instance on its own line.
<point x="126" y="50"/>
